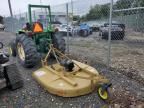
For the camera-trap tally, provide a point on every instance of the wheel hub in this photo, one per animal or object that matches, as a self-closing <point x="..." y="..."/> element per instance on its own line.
<point x="10" y="51"/>
<point x="21" y="52"/>
<point x="103" y="94"/>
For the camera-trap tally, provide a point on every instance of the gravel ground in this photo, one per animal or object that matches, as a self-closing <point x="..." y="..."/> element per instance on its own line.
<point x="33" y="96"/>
<point x="127" y="92"/>
<point x="126" y="72"/>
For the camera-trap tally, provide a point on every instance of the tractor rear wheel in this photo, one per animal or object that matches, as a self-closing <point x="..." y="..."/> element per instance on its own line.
<point x="26" y="51"/>
<point x="59" y="42"/>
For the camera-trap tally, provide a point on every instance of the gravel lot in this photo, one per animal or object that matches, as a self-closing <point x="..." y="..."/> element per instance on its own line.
<point x="126" y="75"/>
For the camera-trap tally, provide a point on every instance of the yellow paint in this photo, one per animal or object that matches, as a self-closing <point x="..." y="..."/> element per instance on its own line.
<point x="21" y="52"/>
<point x="10" y="50"/>
<point x="67" y="84"/>
<point x="103" y="95"/>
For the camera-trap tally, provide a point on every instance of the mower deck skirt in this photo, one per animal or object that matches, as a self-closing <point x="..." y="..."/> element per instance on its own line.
<point x="67" y="84"/>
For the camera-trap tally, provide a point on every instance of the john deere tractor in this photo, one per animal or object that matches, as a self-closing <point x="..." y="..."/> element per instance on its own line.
<point x="34" y="39"/>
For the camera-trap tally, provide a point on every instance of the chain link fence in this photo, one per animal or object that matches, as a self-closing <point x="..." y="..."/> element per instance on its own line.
<point x="127" y="52"/>
<point x="89" y="38"/>
<point x="88" y="46"/>
<point x="109" y="37"/>
<point x="15" y="23"/>
<point x="85" y="44"/>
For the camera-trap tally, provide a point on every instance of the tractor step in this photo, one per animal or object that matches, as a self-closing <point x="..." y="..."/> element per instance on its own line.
<point x="14" y="78"/>
<point x="2" y="83"/>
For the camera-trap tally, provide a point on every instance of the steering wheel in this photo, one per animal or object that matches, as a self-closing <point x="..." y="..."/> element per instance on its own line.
<point x="1" y="45"/>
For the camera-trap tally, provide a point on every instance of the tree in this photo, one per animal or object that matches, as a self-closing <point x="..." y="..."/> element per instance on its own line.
<point x="76" y="18"/>
<point x="105" y="9"/>
<point x="141" y="2"/>
<point x="83" y="18"/>
<point x="102" y="11"/>
<point x="98" y="12"/>
<point x="123" y="4"/>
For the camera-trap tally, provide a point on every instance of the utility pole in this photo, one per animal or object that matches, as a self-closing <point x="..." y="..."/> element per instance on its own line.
<point x="10" y="8"/>
<point x="67" y="29"/>
<point x="72" y="17"/>
<point x="72" y="10"/>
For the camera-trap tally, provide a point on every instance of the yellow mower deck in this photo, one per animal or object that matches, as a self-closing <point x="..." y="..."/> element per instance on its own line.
<point x="81" y="80"/>
<point x="57" y="81"/>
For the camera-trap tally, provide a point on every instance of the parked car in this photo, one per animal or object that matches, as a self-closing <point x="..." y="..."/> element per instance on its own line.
<point x="2" y="27"/>
<point x="84" y="30"/>
<point x="95" y="25"/>
<point x="95" y="28"/>
<point x="63" y="29"/>
<point x="117" y="31"/>
<point x="56" y="23"/>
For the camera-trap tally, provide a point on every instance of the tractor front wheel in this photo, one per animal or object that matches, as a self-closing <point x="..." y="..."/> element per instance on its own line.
<point x="26" y="51"/>
<point x="103" y="91"/>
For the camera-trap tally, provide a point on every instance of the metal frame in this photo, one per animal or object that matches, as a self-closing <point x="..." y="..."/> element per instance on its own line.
<point x="93" y="77"/>
<point x="109" y="38"/>
<point x="129" y="9"/>
<point x="39" y="35"/>
<point x="38" y="6"/>
<point x="110" y="22"/>
<point x="67" y="27"/>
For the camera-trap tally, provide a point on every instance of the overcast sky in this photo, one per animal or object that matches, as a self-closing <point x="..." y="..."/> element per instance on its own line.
<point x="21" y="5"/>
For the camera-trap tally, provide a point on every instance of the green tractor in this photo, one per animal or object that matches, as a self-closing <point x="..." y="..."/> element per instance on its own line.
<point x="34" y="39"/>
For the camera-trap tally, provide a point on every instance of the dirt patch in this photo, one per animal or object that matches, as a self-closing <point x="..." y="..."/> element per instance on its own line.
<point x="123" y="99"/>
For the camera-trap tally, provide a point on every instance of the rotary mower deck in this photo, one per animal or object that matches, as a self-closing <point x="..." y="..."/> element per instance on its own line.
<point x="70" y="78"/>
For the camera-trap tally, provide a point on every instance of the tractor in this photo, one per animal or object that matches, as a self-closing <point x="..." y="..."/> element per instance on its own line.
<point x="33" y="40"/>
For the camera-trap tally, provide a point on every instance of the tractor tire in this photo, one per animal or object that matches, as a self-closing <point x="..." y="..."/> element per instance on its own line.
<point x="59" y="42"/>
<point x="26" y="51"/>
<point x="12" y="48"/>
<point x="13" y="77"/>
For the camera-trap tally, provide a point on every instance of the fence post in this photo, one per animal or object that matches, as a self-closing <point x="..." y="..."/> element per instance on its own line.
<point x="67" y="29"/>
<point x="109" y="38"/>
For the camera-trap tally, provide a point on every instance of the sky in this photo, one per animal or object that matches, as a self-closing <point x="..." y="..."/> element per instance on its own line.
<point x="19" y="6"/>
